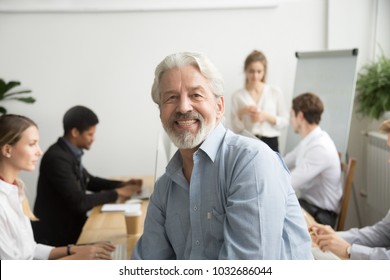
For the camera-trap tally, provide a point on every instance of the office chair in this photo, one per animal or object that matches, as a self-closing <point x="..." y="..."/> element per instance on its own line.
<point x="349" y="171"/>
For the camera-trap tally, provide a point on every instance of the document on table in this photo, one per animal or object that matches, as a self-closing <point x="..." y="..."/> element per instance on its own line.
<point x="121" y="207"/>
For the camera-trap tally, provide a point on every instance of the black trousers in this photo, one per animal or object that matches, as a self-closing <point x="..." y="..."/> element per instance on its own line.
<point x="272" y="142"/>
<point x="321" y="216"/>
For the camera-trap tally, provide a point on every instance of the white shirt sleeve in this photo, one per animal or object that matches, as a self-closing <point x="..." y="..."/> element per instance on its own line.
<point x="282" y="116"/>
<point x="42" y="252"/>
<point x="311" y="164"/>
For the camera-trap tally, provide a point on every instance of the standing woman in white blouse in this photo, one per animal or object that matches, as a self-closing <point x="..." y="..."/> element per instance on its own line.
<point x="19" y="150"/>
<point x="259" y="108"/>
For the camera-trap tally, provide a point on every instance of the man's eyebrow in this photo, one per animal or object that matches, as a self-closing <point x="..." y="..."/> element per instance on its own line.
<point x="198" y="87"/>
<point x="170" y="91"/>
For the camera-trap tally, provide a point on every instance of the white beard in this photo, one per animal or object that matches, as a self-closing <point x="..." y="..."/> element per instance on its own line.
<point x="187" y="140"/>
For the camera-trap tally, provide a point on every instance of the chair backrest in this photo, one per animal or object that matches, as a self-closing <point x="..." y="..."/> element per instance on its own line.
<point x="349" y="171"/>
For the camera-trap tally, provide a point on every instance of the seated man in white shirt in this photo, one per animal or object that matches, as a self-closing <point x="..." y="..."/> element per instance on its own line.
<point x="314" y="163"/>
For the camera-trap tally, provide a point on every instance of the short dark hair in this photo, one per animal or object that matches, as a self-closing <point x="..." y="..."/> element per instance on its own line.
<point x="79" y="117"/>
<point x="310" y="105"/>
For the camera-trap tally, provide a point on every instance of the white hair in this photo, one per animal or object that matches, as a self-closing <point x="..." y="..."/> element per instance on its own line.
<point x="198" y="60"/>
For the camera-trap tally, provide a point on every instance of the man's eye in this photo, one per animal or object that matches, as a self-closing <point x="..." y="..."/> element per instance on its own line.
<point x="171" y="98"/>
<point x="196" y="95"/>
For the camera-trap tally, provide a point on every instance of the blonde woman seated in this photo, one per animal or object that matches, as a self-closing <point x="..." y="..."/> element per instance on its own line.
<point x="20" y="151"/>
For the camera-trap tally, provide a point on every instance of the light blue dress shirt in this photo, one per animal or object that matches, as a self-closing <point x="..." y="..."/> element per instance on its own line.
<point x="238" y="205"/>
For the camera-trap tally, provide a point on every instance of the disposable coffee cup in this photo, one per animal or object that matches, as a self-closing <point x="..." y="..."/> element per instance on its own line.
<point x="133" y="223"/>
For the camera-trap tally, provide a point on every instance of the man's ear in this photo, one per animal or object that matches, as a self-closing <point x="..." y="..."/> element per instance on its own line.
<point x="74" y="132"/>
<point x="300" y="116"/>
<point x="220" y="107"/>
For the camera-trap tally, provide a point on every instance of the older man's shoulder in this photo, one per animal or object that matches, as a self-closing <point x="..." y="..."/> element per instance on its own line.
<point x="246" y="142"/>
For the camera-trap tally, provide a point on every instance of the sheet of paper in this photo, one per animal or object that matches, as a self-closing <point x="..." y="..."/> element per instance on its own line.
<point x="121" y="207"/>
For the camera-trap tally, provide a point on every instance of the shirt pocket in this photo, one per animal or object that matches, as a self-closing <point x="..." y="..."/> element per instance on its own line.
<point x="216" y="224"/>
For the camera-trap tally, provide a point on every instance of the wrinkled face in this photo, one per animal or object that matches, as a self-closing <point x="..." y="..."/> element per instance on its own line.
<point x="85" y="139"/>
<point x="255" y="72"/>
<point x="25" y="153"/>
<point x="188" y="108"/>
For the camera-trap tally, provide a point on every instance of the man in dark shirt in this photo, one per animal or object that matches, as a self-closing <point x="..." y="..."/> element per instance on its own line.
<point x="62" y="201"/>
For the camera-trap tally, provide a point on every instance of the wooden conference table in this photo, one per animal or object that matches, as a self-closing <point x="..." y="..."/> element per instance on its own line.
<point x="111" y="226"/>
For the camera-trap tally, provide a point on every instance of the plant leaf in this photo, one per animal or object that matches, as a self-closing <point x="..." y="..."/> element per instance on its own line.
<point x="15" y="92"/>
<point x="3" y="110"/>
<point x="10" y="85"/>
<point x="373" y="88"/>
<point x="24" y="99"/>
<point x="2" y="89"/>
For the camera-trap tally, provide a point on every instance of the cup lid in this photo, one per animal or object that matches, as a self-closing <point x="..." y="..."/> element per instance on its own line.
<point x="133" y="212"/>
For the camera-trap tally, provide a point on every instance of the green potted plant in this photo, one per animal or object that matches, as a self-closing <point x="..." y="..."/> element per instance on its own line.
<point x="8" y="92"/>
<point x="373" y="88"/>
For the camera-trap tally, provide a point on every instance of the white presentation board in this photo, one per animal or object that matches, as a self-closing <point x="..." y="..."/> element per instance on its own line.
<point x="332" y="76"/>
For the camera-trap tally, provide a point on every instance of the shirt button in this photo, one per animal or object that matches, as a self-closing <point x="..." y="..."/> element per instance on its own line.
<point x="197" y="242"/>
<point x="195" y="208"/>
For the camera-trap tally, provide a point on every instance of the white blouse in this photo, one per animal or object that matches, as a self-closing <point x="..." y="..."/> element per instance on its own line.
<point x="272" y="101"/>
<point x="16" y="235"/>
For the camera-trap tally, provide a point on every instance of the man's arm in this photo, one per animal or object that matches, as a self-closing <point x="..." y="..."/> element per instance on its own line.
<point x="61" y="175"/>
<point x="371" y="242"/>
<point x="313" y="162"/>
<point x="154" y="243"/>
<point x="263" y="217"/>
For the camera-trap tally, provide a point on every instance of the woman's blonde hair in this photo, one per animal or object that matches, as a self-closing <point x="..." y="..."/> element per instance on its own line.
<point x="256" y="56"/>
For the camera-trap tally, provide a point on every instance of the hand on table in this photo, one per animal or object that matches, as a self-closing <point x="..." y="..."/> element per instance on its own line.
<point x="128" y="188"/>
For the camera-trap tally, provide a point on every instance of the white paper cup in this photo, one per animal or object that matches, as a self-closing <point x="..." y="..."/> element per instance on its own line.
<point x="133" y="222"/>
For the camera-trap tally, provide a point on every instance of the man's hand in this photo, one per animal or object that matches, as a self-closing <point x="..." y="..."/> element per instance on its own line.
<point x="327" y="240"/>
<point x="128" y="188"/>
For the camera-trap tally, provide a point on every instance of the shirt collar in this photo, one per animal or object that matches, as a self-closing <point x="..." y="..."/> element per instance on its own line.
<point x="213" y="141"/>
<point x="312" y="135"/>
<point x="75" y="150"/>
<point x="8" y="188"/>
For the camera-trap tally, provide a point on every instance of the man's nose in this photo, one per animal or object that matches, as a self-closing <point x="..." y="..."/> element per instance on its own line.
<point x="185" y="105"/>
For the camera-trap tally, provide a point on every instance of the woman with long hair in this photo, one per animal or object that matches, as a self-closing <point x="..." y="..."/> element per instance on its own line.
<point x="20" y="151"/>
<point x="259" y="108"/>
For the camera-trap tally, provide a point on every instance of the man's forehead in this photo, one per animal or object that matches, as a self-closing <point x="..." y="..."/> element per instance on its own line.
<point x="188" y="76"/>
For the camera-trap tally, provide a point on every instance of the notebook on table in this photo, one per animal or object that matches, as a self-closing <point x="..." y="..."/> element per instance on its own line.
<point x="121" y="207"/>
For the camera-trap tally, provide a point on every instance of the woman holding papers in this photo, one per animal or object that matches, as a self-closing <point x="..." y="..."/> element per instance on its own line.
<point x="20" y="151"/>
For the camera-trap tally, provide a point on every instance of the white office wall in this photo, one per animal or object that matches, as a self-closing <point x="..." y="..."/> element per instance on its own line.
<point x="106" y="61"/>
